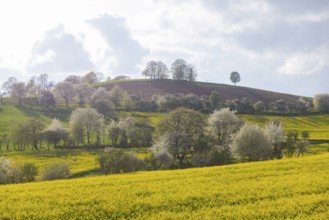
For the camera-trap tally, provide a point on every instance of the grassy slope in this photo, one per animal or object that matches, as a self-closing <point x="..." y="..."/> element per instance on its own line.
<point x="80" y="161"/>
<point x="317" y="125"/>
<point x="11" y="114"/>
<point x="289" y="188"/>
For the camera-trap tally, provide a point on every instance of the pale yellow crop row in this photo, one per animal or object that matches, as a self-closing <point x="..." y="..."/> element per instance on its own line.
<point x="291" y="188"/>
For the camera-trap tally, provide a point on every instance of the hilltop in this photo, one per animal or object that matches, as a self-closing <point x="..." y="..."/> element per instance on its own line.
<point x="147" y="88"/>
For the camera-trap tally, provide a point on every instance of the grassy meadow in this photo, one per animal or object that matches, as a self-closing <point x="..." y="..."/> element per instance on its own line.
<point x="295" y="188"/>
<point x="316" y="124"/>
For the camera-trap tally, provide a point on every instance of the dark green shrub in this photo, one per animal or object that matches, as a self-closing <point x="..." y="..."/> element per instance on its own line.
<point x="56" y="171"/>
<point x="24" y="173"/>
<point x="118" y="160"/>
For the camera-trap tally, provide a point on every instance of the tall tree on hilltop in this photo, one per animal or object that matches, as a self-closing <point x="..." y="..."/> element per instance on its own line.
<point x="178" y="69"/>
<point x="190" y="73"/>
<point x="150" y="69"/>
<point x="155" y="70"/>
<point x="235" y="77"/>
<point x="162" y="70"/>
<point x="181" y="70"/>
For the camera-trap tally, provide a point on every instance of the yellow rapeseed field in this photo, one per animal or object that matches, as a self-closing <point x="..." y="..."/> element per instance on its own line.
<point x="295" y="188"/>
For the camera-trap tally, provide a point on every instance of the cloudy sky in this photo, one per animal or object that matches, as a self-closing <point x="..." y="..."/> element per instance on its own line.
<point x="275" y="45"/>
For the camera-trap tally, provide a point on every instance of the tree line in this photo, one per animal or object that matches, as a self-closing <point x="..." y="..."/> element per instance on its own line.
<point x="184" y="138"/>
<point x="180" y="70"/>
<point x="83" y="91"/>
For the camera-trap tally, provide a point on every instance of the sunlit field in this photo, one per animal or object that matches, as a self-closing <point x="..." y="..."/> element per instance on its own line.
<point x="290" y="188"/>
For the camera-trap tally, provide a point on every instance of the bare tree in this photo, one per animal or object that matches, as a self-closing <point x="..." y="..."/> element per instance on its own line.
<point x="83" y="92"/>
<point x="191" y="73"/>
<point x="181" y="70"/>
<point x="178" y="69"/>
<point x="18" y="91"/>
<point x="7" y="86"/>
<point x="162" y="70"/>
<point x="66" y="91"/>
<point x="150" y="70"/>
<point x="44" y="83"/>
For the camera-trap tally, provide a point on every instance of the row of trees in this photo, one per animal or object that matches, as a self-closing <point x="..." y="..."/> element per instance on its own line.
<point x="186" y="139"/>
<point x="40" y="91"/>
<point x="75" y="89"/>
<point x="86" y="127"/>
<point x="243" y="105"/>
<point x="82" y="91"/>
<point x="180" y="70"/>
<point x="279" y="106"/>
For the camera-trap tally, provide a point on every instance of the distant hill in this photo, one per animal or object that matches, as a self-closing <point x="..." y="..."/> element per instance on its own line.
<point x="147" y="88"/>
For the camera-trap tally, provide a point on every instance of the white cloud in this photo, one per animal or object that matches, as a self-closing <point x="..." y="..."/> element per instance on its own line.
<point x="262" y="39"/>
<point x="305" y="63"/>
<point x="59" y="52"/>
<point x="126" y="51"/>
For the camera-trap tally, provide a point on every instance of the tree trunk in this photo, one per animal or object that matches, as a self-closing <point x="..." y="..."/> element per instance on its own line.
<point x="35" y="145"/>
<point x="181" y="160"/>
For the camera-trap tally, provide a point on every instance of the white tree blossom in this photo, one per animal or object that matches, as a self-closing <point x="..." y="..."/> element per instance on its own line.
<point x="252" y="143"/>
<point x="160" y="151"/>
<point x="276" y="133"/>
<point x="5" y="170"/>
<point x="223" y="124"/>
<point x="85" y="122"/>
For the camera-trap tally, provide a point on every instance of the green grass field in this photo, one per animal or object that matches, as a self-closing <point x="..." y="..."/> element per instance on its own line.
<point x="12" y="114"/>
<point x="79" y="161"/>
<point x="316" y="124"/>
<point x="295" y="188"/>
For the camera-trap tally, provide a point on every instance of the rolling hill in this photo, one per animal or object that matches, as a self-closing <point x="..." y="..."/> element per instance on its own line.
<point x="147" y="88"/>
